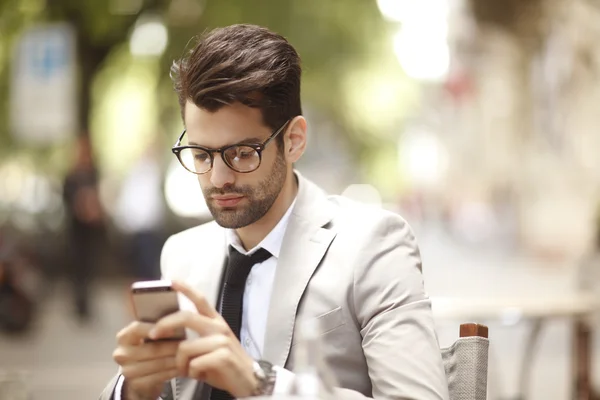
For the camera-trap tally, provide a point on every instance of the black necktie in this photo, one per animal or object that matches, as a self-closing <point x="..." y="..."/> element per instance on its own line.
<point x="232" y="300"/>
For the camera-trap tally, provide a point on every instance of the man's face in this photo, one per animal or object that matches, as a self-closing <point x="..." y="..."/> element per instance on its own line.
<point x="235" y="199"/>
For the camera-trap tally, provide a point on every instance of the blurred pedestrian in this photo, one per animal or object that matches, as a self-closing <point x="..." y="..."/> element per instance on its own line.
<point x="140" y="214"/>
<point x="84" y="225"/>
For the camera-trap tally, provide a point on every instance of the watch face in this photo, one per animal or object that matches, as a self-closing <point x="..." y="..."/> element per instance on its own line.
<point x="265" y="365"/>
<point x="264" y="372"/>
<point x="259" y="371"/>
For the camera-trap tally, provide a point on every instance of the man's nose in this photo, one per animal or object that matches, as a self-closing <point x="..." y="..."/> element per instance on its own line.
<point x="221" y="175"/>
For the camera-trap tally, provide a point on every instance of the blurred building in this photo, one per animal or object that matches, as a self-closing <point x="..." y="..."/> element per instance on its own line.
<point x="521" y="119"/>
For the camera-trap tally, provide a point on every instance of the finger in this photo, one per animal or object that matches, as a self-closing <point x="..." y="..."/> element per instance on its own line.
<point x="219" y="361"/>
<point x="134" y="333"/>
<point x="149" y="367"/>
<point x="195" y="348"/>
<point x="199" y="300"/>
<point x="147" y="351"/>
<point x="149" y="382"/>
<point x="201" y="324"/>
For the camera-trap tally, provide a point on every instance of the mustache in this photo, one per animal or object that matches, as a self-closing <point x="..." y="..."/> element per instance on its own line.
<point x="227" y="190"/>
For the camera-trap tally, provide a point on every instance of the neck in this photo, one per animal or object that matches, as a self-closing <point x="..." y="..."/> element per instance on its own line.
<point x="252" y="235"/>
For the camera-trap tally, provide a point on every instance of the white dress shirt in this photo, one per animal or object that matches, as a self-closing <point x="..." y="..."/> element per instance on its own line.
<point x="257" y="296"/>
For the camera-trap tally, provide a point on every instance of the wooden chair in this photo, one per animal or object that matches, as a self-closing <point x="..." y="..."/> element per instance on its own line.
<point x="466" y="363"/>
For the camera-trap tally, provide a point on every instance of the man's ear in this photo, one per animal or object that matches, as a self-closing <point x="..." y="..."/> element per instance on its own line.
<point x="295" y="139"/>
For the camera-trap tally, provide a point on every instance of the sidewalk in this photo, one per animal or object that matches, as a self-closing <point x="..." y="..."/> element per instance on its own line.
<point x="65" y="360"/>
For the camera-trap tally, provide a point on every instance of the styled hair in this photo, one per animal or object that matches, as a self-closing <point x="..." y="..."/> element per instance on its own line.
<point x="243" y="63"/>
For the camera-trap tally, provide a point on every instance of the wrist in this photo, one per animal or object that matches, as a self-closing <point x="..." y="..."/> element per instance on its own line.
<point x="246" y="386"/>
<point x="253" y="386"/>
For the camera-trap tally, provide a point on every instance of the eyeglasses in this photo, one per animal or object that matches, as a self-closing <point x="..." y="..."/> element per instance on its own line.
<point x="243" y="158"/>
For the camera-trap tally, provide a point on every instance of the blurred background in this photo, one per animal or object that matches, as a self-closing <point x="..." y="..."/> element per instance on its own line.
<point x="477" y="120"/>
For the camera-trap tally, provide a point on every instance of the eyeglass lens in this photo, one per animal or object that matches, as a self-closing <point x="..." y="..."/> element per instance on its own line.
<point x="240" y="158"/>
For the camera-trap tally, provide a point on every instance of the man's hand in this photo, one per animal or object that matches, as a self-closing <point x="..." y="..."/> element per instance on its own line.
<point x="145" y="366"/>
<point x="216" y="357"/>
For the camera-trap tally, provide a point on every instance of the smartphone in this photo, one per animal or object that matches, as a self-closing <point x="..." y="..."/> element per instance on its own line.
<point x="153" y="300"/>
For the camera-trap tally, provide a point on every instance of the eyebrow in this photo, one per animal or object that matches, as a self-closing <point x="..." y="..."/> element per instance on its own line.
<point x="253" y="140"/>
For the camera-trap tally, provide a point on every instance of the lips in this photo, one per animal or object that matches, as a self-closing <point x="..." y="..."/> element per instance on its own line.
<point x="227" y="201"/>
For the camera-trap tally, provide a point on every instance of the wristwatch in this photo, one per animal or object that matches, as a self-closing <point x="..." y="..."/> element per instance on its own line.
<point x="265" y="375"/>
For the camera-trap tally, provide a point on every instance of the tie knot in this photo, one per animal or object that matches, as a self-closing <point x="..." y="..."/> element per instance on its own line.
<point x="239" y="265"/>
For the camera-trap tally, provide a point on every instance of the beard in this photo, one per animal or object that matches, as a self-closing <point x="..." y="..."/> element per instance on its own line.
<point x="260" y="198"/>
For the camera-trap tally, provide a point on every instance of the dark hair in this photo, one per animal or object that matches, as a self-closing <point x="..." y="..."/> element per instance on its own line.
<point x="241" y="63"/>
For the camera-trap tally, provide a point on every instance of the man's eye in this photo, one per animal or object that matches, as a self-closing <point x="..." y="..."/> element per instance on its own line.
<point x="246" y="154"/>
<point x="202" y="157"/>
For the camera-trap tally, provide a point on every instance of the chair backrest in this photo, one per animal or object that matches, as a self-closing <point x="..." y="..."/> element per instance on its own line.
<point x="466" y="363"/>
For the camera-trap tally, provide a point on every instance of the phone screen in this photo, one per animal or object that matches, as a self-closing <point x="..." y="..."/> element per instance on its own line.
<point x="155" y="301"/>
<point x="152" y="306"/>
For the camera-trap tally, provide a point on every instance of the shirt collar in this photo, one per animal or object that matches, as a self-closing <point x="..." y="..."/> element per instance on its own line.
<point x="272" y="242"/>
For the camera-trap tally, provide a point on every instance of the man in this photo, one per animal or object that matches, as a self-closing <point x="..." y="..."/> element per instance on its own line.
<point x="355" y="269"/>
<point x="140" y="214"/>
<point x="84" y="226"/>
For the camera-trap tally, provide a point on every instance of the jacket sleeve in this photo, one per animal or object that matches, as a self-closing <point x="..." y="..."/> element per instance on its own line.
<point x="395" y="318"/>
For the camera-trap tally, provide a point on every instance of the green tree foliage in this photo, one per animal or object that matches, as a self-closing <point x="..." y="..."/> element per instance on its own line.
<point x="330" y="35"/>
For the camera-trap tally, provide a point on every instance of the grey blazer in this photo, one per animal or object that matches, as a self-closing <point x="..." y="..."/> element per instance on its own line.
<point x="355" y="268"/>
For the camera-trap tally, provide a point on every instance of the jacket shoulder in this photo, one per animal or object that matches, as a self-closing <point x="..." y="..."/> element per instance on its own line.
<point x="176" y="257"/>
<point x="353" y="214"/>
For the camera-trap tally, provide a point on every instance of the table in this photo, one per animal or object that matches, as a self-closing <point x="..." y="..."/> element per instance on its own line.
<point x="580" y="307"/>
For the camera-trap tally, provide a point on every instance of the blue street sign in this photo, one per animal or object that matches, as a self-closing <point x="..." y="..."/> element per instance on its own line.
<point x="44" y="84"/>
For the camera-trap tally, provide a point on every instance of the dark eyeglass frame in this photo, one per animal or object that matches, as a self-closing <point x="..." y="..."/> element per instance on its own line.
<point x="258" y="147"/>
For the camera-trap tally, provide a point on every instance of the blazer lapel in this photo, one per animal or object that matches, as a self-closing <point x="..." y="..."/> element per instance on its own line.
<point x="208" y="264"/>
<point x="304" y="245"/>
<point x="204" y="275"/>
<point x="204" y="268"/>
